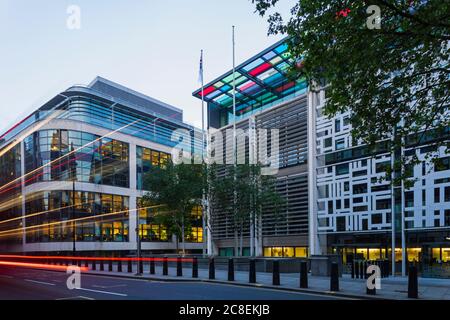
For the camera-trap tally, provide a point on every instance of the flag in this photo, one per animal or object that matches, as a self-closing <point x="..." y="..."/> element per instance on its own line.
<point x="200" y="72"/>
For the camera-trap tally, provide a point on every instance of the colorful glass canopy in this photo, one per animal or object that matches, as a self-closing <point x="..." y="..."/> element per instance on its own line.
<point x="260" y="81"/>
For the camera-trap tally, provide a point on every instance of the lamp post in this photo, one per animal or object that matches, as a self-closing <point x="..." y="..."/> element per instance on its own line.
<point x="74" y="176"/>
<point x="138" y="243"/>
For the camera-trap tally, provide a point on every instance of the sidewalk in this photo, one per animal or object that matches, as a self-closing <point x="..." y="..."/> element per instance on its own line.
<point x="391" y="288"/>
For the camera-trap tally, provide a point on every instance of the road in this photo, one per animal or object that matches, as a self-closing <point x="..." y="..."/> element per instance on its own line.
<point x="31" y="284"/>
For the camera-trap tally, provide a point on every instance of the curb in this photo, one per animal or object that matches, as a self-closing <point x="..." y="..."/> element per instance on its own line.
<point x="242" y="284"/>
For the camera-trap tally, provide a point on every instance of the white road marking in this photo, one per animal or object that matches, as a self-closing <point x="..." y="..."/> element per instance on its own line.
<point x="76" y="298"/>
<point x="40" y="282"/>
<point x="105" y="292"/>
<point x="108" y="287"/>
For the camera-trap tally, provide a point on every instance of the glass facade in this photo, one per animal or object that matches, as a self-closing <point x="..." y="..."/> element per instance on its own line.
<point x="146" y="158"/>
<point x="150" y="231"/>
<point x="51" y="209"/>
<point x="10" y="203"/>
<point x="95" y="160"/>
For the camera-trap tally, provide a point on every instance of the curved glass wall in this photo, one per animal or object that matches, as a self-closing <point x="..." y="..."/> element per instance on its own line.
<point x="51" y="210"/>
<point x="48" y="157"/>
<point x="10" y="188"/>
<point x="149" y="127"/>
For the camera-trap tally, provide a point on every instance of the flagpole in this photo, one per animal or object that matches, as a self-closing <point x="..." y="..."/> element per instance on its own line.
<point x="205" y="207"/>
<point x="234" y="101"/>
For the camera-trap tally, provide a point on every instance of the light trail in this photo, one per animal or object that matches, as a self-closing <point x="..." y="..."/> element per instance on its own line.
<point x="73" y="220"/>
<point x="37" y="266"/>
<point x="68" y="154"/>
<point x="94" y="258"/>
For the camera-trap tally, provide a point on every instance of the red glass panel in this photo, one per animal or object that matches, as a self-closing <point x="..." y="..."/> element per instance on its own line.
<point x="260" y="69"/>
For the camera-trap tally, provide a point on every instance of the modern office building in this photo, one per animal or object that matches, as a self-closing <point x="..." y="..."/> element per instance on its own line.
<point x="266" y="98"/>
<point x="336" y="201"/>
<point x="82" y="157"/>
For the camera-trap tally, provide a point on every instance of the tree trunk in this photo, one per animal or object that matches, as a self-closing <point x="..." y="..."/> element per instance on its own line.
<point x="236" y="242"/>
<point x="183" y="238"/>
<point x="241" y="242"/>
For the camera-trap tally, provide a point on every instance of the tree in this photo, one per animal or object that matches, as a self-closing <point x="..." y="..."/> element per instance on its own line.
<point x="243" y="193"/>
<point x="179" y="188"/>
<point x="395" y="79"/>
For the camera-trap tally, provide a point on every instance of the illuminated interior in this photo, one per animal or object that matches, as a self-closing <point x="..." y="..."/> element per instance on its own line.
<point x="286" y="252"/>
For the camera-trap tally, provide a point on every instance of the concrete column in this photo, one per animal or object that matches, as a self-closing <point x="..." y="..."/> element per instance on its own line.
<point x="314" y="244"/>
<point x="133" y="213"/>
<point x="22" y="191"/>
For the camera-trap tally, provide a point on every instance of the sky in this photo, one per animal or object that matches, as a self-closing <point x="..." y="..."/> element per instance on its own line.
<point x="151" y="46"/>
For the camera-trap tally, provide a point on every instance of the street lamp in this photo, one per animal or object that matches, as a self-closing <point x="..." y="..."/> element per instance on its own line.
<point x="74" y="175"/>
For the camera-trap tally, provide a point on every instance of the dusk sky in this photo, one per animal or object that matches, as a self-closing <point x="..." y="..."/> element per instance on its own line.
<point x="151" y="46"/>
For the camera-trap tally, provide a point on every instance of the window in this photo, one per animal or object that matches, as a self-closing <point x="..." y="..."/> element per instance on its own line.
<point x="409" y="199"/>
<point x="442" y="164"/>
<point x="360" y="188"/>
<point x="447" y="194"/>
<point x="346" y="203"/>
<point x="346" y="186"/>
<point x="447" y="218"/>
<point x="424" y="198"/>
<point x="338" y="204"/>
<point x="382" y="166"/>
<point x="337" y="125"/>
<point x="377" y="218"/>
<point x="340" y="223"/>
<point x="340" y="144"/>
<point x="342" y="169"/>
<point x="323" y="191"/>
<point x="383" y="204"/>
<point x="437" y="195"/>
<point x="328" y="142"/>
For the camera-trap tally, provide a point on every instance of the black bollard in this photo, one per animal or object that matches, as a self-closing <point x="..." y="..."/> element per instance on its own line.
<point x="276" y="273"/>
<point x="361" y="269"/>
<point x="86" y="263"/>
<point x="102" y="266"/>
<point x="110" y="265"/>
<point x="94" y="265"/>
<point x="119" y="266"/>
<point x="413" y="286"/>
<point x="334" y="279"/>
<point x="352" y="266"/>
<point x="356" y="263"/>
<point x="372" y="291"/>
<point x="212" y="270"/>
<point x="365" y="270"/>
<point x="140" y="266"/>
<point x="79" y="262"/>
<point x="130" y="266"/>
<point x="303" y="274"/>
<point x="152" y="266"/>
<point x="165" y="267"/>
<point x="252" y="271"/>
<point x="230" y="269"/>
<point x="179" y="267"/>
<point x="194" y="268"/>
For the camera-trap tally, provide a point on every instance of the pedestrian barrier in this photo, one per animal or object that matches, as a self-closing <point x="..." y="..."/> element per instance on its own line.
<point x="303" y="274"/>
<point x="179" y="267"/>
<point x="194" y="268"/>
<point x="276" y="273"/>
<point x="334" y="279"/>
<point x="212" y="271"/>
<point x="230" y="269"/>
<point x="252" y="271"/>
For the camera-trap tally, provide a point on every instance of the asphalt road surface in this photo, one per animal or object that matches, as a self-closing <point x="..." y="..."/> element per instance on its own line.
<point x="31" y="284"/>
